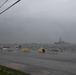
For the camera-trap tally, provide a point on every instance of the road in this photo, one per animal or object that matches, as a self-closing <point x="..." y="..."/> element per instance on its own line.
<point x="63" y="63"/>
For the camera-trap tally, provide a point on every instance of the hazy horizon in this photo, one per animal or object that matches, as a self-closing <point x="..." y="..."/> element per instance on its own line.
<point x="38" y="21"/>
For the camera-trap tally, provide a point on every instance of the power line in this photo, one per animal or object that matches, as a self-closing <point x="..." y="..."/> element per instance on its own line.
<point x="3" y="3"/>
<point x="9" y="7"/>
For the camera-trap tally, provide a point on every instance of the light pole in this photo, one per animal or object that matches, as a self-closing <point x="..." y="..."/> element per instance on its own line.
<point x="9" y="6"/>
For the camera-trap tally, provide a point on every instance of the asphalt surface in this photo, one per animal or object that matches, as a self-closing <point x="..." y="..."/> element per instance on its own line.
<point x="63" y="63"/>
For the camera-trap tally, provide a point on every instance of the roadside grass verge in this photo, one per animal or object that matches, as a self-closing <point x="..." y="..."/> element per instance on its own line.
<point x="9" y="71"/>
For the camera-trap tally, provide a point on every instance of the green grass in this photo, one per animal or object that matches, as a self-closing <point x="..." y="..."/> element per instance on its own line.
<point x="9" y="71"/>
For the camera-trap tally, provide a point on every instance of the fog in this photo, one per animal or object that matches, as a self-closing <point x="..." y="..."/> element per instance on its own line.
<point x="38" y="21"/>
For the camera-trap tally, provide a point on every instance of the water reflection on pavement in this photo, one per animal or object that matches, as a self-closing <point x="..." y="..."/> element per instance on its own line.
<point x="40" y="64"/>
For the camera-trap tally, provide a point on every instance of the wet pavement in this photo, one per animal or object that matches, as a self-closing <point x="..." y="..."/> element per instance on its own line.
<point x="63" y="63"/>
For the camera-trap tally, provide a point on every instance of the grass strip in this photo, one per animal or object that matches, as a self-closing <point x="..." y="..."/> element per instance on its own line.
<point x="9" y="71"/>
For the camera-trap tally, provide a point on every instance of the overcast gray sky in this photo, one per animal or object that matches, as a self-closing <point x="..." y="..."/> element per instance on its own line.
<point x="38" y="21"/>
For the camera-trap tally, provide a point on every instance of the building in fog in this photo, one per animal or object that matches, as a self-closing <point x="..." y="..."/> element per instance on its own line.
<point x="61" y="42"/>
